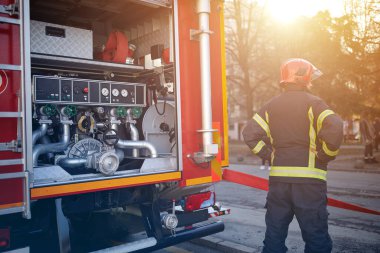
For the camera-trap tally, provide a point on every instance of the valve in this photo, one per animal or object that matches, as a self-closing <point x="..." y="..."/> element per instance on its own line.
<point x="110" y="137"/>
<point x="121" y="112"/>
<point x="69" y="111"/>
<point x="136" y="112"/>
<point x="48" y="110"/>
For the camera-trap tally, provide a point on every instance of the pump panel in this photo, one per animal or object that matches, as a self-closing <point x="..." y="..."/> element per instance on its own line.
<point x="48" y="89"/>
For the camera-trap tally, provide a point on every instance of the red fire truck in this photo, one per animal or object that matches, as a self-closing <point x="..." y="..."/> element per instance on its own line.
<point x="113" y="123"/>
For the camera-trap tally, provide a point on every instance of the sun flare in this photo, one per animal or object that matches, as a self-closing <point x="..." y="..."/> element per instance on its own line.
<point x="289" y="10"/>
<point x="285" y="11"/>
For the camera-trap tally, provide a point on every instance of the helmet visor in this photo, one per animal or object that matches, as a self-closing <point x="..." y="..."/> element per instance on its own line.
<point x="315" y="74"/>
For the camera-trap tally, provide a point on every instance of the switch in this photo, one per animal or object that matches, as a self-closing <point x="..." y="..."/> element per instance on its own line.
<point x="85" y="90"/>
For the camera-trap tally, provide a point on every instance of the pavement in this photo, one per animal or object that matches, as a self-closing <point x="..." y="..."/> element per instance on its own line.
<point x="349" y="179"/>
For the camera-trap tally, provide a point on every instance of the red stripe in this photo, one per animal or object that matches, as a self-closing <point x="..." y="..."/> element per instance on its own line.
<point x="262" y="184"/>
<point x="348" y="206"/>
<point x="245" y="179"/>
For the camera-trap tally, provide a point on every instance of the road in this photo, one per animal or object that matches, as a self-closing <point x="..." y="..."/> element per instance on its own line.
<point x="350" y="231"/>
<point x="187" y="247"/>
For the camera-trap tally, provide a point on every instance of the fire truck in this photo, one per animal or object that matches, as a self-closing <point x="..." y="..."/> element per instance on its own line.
<point x="113" y="123"/>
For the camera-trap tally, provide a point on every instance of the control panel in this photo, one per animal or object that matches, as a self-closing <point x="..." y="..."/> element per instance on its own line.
<point x="62" y="90"/>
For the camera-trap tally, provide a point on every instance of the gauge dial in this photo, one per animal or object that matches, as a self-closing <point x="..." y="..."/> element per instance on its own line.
<point x="115" y="92"/>
<point x="66" y="89"/>
<point x="124" y="92"/>
<point x="105" y="92"/>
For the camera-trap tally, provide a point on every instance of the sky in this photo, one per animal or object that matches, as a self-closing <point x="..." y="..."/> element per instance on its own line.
<point x="287" y="10"/>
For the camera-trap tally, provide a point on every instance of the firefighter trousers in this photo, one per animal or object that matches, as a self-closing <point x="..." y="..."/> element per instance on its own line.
<point x="305" y="201"/>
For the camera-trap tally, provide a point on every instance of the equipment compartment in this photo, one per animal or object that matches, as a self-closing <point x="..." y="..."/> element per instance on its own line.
<point x="89" y="113"/>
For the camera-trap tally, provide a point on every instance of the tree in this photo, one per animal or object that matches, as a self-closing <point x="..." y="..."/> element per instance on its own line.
<point x="249" y="67"/>
<point x="362" y="41"/>
<point x="346" y="49"/>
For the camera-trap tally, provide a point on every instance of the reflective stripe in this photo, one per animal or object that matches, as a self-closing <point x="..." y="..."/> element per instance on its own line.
<point x="328" y="151"/>
<point x="304" y="172"/>
<point x="322" y="117"/>
<point x="312" y="138"/>
<point x="271" y="139"/>
<point x="267" y="119"/>
<point x="258" y="147"/>
<point x="262" y="123"/>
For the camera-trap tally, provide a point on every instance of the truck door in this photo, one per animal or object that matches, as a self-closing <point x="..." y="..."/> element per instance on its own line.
<point x="198" y="169"/>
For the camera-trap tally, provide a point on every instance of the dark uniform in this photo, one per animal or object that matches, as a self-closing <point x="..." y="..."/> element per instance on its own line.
<point x="304" y="135"/>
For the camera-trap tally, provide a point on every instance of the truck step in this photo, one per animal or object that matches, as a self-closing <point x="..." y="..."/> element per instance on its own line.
<point x="131" y="246"/>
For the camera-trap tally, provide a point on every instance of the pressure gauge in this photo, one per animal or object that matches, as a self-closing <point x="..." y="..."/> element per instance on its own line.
<point x="105" y="92"/>
<point x="115" y="92"/>
<point x="124" y="92"/>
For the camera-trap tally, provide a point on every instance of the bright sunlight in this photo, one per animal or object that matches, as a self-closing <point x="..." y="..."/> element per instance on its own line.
<point x="287" y="11"/>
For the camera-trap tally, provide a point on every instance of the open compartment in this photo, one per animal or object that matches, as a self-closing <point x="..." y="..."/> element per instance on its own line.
<point x="103" y="85"/>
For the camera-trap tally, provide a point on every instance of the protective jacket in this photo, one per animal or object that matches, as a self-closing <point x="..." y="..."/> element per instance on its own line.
<point x="305" y="134"/>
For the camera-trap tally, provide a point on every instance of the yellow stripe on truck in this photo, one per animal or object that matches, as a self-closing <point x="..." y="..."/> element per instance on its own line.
<point x="50" y="191"/>
<point x="199" y="180"/>
<point x="225" y="161"/>
<point x="11" y="205"/>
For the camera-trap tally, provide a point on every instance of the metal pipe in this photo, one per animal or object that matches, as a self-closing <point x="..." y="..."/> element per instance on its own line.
<point x="37" y="134"/>
<point x="53" y="147"/>
<point x="46" y="140"/>
<point x="203" y="9"/>
<point x="120" y="154"/>
<point x="134" y="137"/>
<point x="134" y="132"/>
<point x="113" y="119"/>
<point x="135" y="143"/>
<point x="72" y="163"/>
<point x="139" y="145"/>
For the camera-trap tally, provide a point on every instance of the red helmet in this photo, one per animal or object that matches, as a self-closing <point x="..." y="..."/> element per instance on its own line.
<point x="298" y="71"/>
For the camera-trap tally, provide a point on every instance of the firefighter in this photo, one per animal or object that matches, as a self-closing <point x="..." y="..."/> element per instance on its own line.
<point x="305" y="134"/>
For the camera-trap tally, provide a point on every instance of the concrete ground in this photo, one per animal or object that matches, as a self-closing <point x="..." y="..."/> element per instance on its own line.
<point x="349" y="179"/>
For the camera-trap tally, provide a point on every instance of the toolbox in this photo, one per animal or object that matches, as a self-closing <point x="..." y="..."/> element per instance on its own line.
<point x="47" y="38"/>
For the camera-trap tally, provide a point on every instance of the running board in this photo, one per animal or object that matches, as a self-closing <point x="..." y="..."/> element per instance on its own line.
<point x="131" y="246"/>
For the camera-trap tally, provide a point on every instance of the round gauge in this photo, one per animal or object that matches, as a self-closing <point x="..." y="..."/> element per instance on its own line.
<point x="105" y="92"/>
<point x="124" y="92"/>
<point x="115" y="92"/>
<point x="76" y="90"/>
<point x="66" y="89"/>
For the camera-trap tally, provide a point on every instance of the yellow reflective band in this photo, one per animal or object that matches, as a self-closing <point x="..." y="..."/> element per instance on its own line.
<point x="258" y="147"/>
<point x="271" y="139"/>
<point x="312" y="137"/>
<point x="328" y="151"/>
<point x="322" y="117"/>
<point x="262" y="123"/>
<point x="303" y="172"/>
<point x="267" y="119"/>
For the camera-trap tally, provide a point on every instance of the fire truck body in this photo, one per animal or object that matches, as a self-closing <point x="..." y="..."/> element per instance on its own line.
<point x="86" y="142"/>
